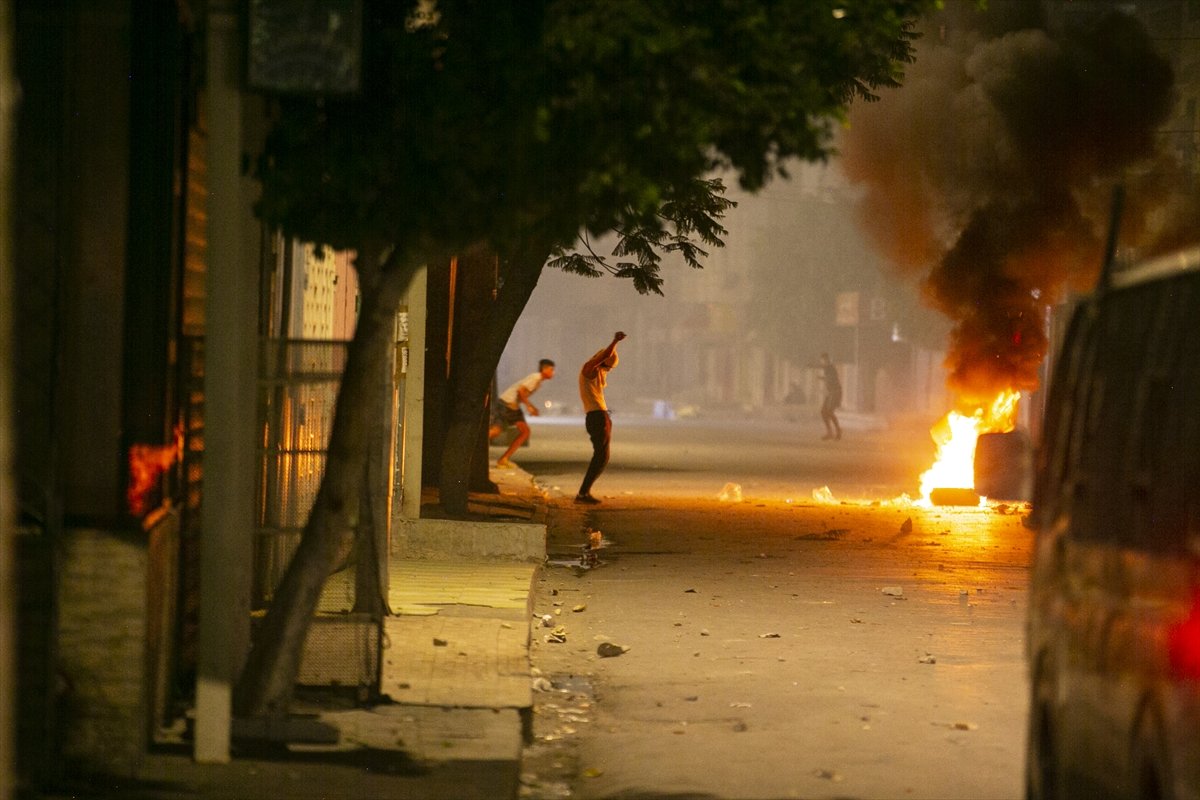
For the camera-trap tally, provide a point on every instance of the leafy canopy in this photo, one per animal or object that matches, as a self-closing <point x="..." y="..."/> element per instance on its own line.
<point x="507" y="122"/>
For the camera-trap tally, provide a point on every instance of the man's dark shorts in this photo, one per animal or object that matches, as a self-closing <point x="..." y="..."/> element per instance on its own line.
<point x="505" y="416"/>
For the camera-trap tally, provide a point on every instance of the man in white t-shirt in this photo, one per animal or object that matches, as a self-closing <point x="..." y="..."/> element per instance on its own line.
<point x="507" y="409"/>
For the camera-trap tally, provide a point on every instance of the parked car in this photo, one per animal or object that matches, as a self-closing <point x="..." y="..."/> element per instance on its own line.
<point x="1114" y="610"/>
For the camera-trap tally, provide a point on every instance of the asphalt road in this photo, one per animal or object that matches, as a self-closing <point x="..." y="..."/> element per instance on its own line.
<point x="778" y="646"/>
<point x="768" y="459"/>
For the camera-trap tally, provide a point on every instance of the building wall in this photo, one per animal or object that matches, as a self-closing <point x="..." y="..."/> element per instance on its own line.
<point x="102" y="693"/>
<point x="93" y="285"/>
<point x="90" y="373"/>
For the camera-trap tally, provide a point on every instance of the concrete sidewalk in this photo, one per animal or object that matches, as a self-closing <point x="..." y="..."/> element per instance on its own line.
<point x="455" y="677"/>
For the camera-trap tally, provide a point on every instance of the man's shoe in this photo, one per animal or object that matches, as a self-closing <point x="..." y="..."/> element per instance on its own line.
<point x="586" y="499"/>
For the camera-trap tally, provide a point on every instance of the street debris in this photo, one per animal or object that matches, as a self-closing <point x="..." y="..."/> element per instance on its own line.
<point x="832" y="535"/>
<point x="769" y="636"/>
<point x="739" y="705"/>
<point x="828" y="775"/>
<point x="894" y="591"/>
<point x="823" y="495"/>
<point x="547" y="620"/>
<point x="689" y="591"/>
<point x="704" y="632"/>
<point x="740" y="727"/>
<point x="541" y="684"/>
<point x="590" y="557"/>
<point x="928" y="658"/>
<point x="580" y="607"/>
<point x="855" y="621"/>
<point x="610" y="650"/>
<point x="593" y="772"/>
<point x="730" y="493"/>
<point x="556" y="636"/>
<point x="964" y="726"/>
<point x="439" y="642"/>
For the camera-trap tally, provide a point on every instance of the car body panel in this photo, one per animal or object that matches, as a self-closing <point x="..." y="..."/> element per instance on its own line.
<point x="1116" y="565"/>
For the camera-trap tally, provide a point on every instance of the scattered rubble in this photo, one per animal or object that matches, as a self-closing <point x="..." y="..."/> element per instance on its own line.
<point x="823" y="495"/>
<point x="730" y="493"/>
<point x="610" y="650"/>
<point x="894" y="591"/>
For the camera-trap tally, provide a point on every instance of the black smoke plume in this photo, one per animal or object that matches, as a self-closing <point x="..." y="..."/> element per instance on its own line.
<point x="990" y="170"/>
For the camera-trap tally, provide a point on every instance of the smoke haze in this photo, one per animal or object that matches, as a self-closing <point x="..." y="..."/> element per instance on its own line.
<point x="989" y="173"/>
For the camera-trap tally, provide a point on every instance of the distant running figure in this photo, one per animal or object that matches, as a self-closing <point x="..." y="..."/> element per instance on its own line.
<point x="832" y="400"/>
<point x="507" y="410"/>
<point x="592" y="380"/>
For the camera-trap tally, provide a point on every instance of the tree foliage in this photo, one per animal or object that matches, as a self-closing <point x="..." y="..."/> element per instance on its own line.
<point x="502" y="121"/>
<point x="520" y="126"/>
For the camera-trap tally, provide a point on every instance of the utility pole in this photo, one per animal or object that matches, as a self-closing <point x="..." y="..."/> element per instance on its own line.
<point x="230" y="378"/>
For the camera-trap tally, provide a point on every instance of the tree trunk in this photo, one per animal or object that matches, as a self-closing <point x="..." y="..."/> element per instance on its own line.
<point x="269" y="676"/>
<point x="473" y="375"/>
<point x="368" y="589"/>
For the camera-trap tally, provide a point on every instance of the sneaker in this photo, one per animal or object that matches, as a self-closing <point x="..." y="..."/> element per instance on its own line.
<point x="586" y="499"/>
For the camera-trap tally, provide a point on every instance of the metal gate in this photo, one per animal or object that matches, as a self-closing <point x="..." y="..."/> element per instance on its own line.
<point x="298" y="385"/>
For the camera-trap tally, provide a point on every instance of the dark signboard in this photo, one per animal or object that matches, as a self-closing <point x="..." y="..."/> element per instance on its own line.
<point x="305" y="46"/>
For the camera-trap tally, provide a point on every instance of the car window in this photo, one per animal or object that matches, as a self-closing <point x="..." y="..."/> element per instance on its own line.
<point x="1100" y="500"/>
<point x="1165" y="452"/>
<point x="1055" y="446"/>
<point x="1155" y="415"/>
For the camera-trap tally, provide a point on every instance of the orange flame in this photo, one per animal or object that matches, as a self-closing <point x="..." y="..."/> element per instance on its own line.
<point x="956" y="435"/>
<point x="146" y="463"/>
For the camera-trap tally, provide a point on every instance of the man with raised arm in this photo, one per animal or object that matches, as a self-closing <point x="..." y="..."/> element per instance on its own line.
<point x="592" y="379"/>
